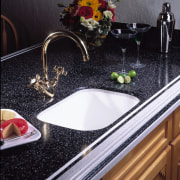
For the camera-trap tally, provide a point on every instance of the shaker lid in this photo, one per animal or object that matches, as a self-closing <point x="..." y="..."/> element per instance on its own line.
<point x="166" y="7"/>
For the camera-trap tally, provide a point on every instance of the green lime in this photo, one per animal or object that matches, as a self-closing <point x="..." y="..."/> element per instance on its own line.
<point x="132" y="73"/>
<point x="127" y="79"/>
<point x="114" y="75"/>
<point x="120" y="79"/>
<point x="123" y="75"/>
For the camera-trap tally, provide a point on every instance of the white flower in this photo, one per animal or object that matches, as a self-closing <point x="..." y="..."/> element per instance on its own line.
<point x="111" y="5"/>
<point x="90" y="23"/>
<point x="108" y="14"/>
<point x="82" y="19"/>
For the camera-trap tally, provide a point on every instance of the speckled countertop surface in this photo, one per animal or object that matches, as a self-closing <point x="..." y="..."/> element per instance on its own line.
<point x="57" y="145"/>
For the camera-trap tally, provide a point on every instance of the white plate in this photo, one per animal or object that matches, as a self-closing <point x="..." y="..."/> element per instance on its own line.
<point x="23" y="139"/>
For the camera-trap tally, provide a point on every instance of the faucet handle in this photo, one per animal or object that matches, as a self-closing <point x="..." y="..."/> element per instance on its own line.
<point x="41" y="86"/>
<point x="60" y="71"/>
<point x="36" y="82"/>
<point x="47" y="87"/>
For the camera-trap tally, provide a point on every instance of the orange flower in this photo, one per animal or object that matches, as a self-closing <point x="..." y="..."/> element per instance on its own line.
<point x="94" y="4"/>
<point x="97" y="15"/>
<point x="68" y="9"/>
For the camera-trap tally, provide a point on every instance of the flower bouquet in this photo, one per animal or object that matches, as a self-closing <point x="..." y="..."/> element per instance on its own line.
<point x="89" y="19"/>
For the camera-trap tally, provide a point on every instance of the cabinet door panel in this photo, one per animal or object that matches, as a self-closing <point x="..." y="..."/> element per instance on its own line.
<point x="176" y="158"/>
<point x="176" y="122"/>
<point x="160" y="167"/>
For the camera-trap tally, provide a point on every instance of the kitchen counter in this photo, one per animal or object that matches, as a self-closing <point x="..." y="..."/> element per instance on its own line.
<point x="65" y="153"/>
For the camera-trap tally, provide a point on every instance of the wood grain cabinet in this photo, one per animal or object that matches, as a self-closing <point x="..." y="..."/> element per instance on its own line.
<point x="175" y="162"/>
<point x="176" y="122"/>
<point x="157" y="157"/>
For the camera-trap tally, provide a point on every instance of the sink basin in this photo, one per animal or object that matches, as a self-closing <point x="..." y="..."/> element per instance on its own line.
<point x="88" y="109"/>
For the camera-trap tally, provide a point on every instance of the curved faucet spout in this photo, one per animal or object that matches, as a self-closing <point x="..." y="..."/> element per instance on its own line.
<point x="62" y="33"/>
<point x="44" y="85"/>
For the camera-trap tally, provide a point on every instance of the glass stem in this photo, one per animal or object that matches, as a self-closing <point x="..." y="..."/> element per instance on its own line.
<point x="138" y="52"/>
<point x="123" y="59"/>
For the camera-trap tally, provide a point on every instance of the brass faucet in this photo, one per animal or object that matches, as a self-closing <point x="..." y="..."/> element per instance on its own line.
<point x="46" y="86"/>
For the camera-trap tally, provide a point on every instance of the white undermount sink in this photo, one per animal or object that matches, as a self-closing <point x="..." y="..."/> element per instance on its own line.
<point x="88" y="109"/>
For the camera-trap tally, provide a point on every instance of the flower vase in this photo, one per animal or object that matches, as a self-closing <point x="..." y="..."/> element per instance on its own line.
<point x="92" y="41"/>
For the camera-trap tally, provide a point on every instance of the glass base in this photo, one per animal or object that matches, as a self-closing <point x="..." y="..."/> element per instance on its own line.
<point x="137" y="65"/>
<point x="122" y="72"/>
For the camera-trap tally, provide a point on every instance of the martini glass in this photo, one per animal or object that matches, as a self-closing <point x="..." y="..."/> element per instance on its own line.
<point x="140" y="29"/>
<point x="123" y="35"/>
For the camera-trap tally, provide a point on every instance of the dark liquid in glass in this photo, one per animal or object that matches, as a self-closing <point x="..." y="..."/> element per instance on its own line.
<point x="123" y="43"/>
<point x="139" y="37"/>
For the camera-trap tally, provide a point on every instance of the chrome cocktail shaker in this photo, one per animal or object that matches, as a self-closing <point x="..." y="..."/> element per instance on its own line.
<point x="165" y="26"/>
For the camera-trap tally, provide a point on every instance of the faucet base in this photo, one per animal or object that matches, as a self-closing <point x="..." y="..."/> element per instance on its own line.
<point x="45" y="86"/>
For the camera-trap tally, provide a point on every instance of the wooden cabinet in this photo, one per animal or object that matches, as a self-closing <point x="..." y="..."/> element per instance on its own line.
<point x="176" y="122"/>
<point x="157" y="157"/>
<point x="175" y="162"/>
<point x="160" y="168"/>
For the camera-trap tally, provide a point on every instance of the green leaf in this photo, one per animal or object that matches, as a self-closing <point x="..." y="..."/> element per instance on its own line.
<point x="60" y="5"/>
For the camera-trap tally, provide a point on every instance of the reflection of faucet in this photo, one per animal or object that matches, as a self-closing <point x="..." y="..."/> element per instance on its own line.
<point x="48" y="87"/>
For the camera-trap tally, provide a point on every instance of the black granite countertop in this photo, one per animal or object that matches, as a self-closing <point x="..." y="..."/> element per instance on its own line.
<point x="58" y="145"/>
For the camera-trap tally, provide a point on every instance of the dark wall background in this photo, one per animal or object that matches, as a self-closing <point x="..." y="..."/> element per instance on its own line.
<point x="33" y="19"/>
